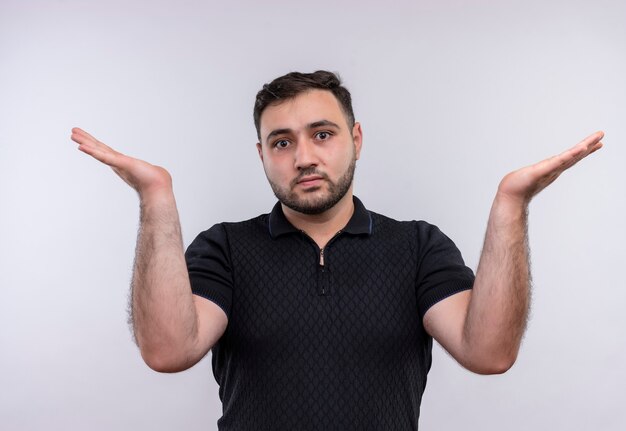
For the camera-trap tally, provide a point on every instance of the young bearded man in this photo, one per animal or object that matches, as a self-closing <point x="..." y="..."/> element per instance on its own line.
<point x="321" y="314"/>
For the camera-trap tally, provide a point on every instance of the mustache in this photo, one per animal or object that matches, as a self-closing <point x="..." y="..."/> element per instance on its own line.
<point x="307" y="172"/>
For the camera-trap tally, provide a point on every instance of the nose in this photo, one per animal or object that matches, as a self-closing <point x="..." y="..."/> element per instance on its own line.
<point x="305" y="155"/>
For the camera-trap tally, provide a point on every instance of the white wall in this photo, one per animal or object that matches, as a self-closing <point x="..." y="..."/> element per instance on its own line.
<point x="451" y="94"/>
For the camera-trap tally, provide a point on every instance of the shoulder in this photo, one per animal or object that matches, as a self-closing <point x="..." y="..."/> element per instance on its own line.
<point x="419" y="230"/>
<point x="258" y="222"/>
<point x="225" y="227"/>
<point x="220" y="233"/>
<point x="424" y="240"/>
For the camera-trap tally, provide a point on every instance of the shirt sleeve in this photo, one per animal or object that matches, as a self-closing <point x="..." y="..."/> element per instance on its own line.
<point x="441" y="269"/>
<point x="209" y="267"/>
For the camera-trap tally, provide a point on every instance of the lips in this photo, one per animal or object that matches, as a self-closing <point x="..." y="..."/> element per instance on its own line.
<point x="310" y="182"/>
<point x="309" y="178"/>
<point x="307" y="181"/>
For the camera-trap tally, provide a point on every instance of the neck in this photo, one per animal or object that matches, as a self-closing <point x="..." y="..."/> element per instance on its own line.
<point x="322" y="227"/>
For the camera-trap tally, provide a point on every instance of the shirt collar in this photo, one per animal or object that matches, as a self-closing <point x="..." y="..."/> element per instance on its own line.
<point x="359" y="223"/>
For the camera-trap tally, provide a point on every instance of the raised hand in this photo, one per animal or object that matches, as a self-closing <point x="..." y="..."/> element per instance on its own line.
<point x="144" y="177"/>
<point x="523" y="184"/>
<point x="172" y="327"/>
<point x="483" y="328"/>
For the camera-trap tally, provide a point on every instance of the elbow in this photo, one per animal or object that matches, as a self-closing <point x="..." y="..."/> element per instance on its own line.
<point x="495" y="368"/>
<point x="160" y="366"/>
<point x="164" y="363"/>
<point x="493" y="365"/>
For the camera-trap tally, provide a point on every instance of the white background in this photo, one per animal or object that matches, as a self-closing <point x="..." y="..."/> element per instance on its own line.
<point x="452" y="95"/>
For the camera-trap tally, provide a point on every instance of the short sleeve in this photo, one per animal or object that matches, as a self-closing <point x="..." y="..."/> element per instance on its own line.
<point x="441" y="270"/>
<point x="209" y="267"/>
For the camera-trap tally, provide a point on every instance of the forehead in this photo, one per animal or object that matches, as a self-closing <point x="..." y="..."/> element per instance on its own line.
<point x="305" y="108"/>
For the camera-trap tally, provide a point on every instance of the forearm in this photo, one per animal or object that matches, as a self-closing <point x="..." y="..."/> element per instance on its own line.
<point x="498" y="309"/>
<point x="173" y="328"/>
<point x="163" y="313"/>
<point x="483" y="328"/>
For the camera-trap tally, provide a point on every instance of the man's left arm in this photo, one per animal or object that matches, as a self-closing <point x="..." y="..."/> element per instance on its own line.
<point x="482" y="328"/>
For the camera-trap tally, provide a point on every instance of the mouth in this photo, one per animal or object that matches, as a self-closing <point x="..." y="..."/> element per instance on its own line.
<point x="310" y="181"/>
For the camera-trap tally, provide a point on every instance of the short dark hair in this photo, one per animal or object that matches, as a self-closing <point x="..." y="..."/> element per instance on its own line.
<point x="294" y="83"/>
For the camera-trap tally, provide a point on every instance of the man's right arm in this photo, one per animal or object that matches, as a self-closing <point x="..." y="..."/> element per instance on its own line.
<point x="173" y="328"/>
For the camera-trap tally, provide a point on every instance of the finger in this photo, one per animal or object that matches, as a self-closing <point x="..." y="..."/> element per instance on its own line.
<point x="596" y="147"/>
<point x="96" y="149"/>
<point x="82" y="139"/>
<point x="594" y="137"/>
<point x="81" y="132"/>
<point x="90" y="145"/>
<point x="588" y="145"/>
<point x="570" y="157"/>
<point x="104" y="155"/>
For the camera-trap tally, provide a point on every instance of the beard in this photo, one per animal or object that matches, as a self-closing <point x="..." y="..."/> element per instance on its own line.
<point x="315" y="204"/>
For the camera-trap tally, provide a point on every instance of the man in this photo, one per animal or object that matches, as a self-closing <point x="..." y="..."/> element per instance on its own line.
<point x="320" y="314"/>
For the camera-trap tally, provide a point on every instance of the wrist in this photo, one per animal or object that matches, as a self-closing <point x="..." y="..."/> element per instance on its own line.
<point x="507" y="209"/>
<point x="511" y="202"/>
<point x="157" y="197"/>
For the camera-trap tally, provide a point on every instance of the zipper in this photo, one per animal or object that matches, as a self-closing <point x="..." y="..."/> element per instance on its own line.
<point x="323" y="292"/>
<point x="322" y="267"/>
<point x="327" y="244"/>
<point x="322" y="263"/>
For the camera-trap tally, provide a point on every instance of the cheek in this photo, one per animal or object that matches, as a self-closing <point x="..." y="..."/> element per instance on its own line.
<point x="276" y="170"/>
<point x="342" y="159"/>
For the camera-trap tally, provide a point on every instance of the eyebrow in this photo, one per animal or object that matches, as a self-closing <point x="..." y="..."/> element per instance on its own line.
<point x="314" y="125"/>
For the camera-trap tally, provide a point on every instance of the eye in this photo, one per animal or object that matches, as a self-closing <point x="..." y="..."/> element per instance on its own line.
<point x="323" y="135"/>
<point x="281" y="143"/>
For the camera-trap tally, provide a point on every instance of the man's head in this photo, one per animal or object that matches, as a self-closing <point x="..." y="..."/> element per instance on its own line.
<point x="292" y="84"/>
<point x="308" y="140"/>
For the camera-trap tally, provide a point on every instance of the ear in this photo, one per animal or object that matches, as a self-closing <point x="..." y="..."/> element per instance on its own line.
<point x="357" y="138"/>
<point x="259" y="148"/>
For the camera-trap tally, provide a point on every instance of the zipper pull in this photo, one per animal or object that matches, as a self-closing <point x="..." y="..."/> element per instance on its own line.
<point x="322" y="257"/>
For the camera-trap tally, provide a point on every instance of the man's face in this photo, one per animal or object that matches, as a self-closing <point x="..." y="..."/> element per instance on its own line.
<point x="308" y="151"/>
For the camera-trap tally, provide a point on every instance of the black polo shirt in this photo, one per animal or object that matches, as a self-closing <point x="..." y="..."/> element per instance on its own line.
<point x="333" y="347"/>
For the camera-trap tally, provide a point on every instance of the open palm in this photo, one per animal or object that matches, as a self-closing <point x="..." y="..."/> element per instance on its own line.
<point x="523" y="184"/>
<point x="142" y="176"/>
